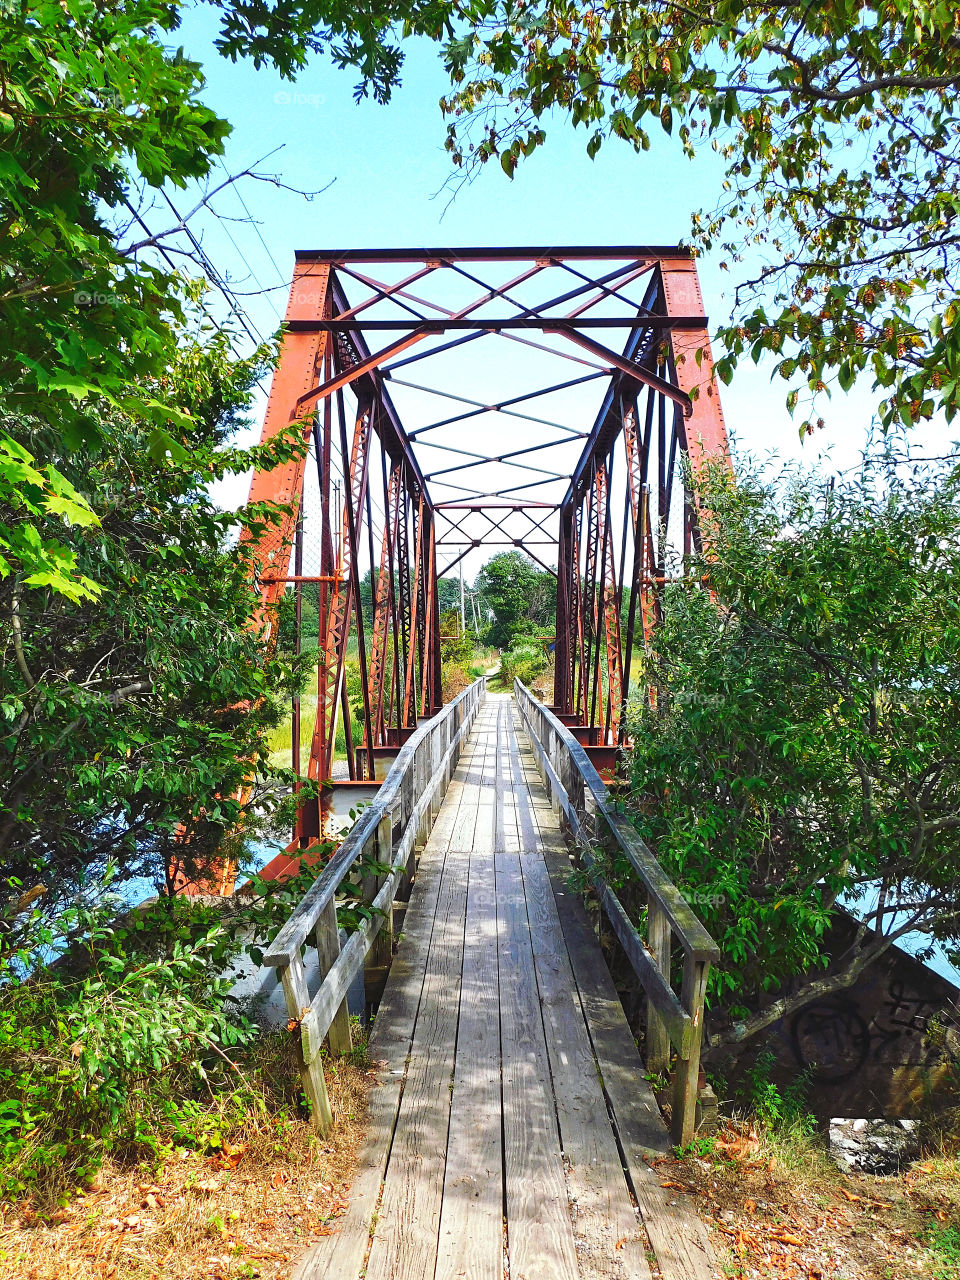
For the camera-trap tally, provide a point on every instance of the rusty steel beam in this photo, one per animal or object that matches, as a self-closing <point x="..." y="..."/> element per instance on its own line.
<point x="619" y="523"/>
<point x="505" y="253"/>
<point x="347" y="324"/>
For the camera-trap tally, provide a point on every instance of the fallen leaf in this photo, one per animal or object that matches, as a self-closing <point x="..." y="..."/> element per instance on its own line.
<point x="231" y="1156"/>
<point x="785" y="1237"/>
<point x="279" y="1178"/>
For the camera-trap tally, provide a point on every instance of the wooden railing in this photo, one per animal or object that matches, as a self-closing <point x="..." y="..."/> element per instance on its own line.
<point x="586" y="814"/>
<point x="388" y="833"/>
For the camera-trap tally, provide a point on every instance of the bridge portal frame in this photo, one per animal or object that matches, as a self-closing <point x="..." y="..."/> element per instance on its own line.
<point x="661" y="402"/>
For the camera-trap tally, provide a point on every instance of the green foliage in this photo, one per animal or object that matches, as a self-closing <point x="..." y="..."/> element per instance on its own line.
<point x="94" y="99"/>
<point x="263" y="907"/>
<point x="114" y="1047"/>
<point x="837" y="125"/>
<point x="524" y="662"/>
<point x="943" y="1242"/>
<point x="803" y="741"/>
<point x="132" y="720"/>
<point x="457" y="650"/>
<point x="782" y="1111"/>
<point x="455" y="645"/>
<point x="520" y="596"/>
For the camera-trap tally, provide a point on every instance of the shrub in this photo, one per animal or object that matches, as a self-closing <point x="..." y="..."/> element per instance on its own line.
<point x="525" y="662"/>
<point x="801" y="751"/>
<point x="454" y="679"/>
<point x="117" y="1045"/>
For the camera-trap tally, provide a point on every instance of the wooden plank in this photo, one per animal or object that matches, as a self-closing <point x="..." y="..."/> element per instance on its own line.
<point x="485" y="834"/>
<point x="440" y="832"/>
<point x="327" y="937"/>
<point x="316" y="1018"/>
<point x="539" y="1228"/>
<point x="499" y="775"/>
<point x="404" y="1245"/>
<point x="509" y="799"/>
<point x="657" y="1038"/>
<point x="465" y="825"/>
<point x="677" y="1236"/>
<point x="610" y="1238"/>
<point x="471" y="1220"/>
<point x="341" y="1257"/>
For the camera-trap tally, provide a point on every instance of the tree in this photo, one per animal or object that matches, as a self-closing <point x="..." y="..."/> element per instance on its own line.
<point x="520" y="596"/>
<point x="135" y="724"/>
<point x="837" y="124"/>
<point x="802" y="751"/>
<point x="97" y="110"/>
<point x="85" y="91"/>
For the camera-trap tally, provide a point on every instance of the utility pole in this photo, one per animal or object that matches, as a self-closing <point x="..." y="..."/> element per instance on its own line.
<point x="463" y="606"/>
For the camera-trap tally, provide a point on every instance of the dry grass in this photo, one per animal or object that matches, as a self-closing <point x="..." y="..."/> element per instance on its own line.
<point x="246" y="1211"/>
<point x="787" y="1211"/>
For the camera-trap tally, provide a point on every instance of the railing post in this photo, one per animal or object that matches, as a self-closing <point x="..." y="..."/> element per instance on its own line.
<point x="688" y="1069"/>
<point x="658" y="943"/>
<point x="297" y="998"/>
<point x="327" y="938"/>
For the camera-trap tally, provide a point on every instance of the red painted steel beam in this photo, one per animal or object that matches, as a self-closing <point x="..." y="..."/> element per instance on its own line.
<point x="301" y="354"/>
<point x="500" y="253"/>
<point x="366" y="365"/>
<point x="494" y="324"/>
<point x="629" y="367"/>
<point x="705" y="429"/>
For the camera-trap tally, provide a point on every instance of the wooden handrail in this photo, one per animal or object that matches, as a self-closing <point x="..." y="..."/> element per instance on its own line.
<point x="578" y="792"/>
<point x="393" y="826"/>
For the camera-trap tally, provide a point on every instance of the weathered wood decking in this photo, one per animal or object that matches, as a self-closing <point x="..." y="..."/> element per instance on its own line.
<point x="506" y="1137"/>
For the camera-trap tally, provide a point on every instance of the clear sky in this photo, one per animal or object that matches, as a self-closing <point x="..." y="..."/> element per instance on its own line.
<point x="387" y="181"/>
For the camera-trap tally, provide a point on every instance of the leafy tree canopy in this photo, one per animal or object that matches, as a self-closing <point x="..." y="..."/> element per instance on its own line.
<point x="520" y="596"/>
<point x="97" y="108"/>
<point x="838" y="125"/>
<point x="804" y="744"/>
<point x="133" y="726"/>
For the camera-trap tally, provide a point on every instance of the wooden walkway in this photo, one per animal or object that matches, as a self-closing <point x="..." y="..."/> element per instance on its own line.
<point x="507" y="1135"/>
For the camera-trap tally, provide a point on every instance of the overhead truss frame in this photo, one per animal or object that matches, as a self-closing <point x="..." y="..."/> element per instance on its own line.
<point x="411" y="500"/>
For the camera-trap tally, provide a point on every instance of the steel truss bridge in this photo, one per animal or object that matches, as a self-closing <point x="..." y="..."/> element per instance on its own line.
<point x="461" y="401"/>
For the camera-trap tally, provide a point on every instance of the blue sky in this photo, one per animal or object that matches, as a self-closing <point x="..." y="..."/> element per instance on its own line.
<point x="389" y="185"/>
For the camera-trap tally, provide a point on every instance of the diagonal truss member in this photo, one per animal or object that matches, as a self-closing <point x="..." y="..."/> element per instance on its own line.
<point x="573" y="385"/>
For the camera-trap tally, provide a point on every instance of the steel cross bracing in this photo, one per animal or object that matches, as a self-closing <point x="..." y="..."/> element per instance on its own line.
<point x="461" y="401"/>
